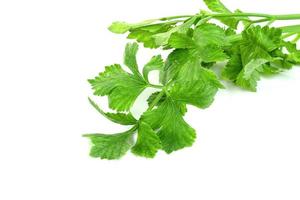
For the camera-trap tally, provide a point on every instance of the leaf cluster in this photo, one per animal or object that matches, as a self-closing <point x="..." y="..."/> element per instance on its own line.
<point x="186" y="77"/>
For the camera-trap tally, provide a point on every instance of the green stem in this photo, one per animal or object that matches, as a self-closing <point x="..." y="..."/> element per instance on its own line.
<point x="271" y="17"/>
<point x="203" y="20"/>
<point x="291" y="29"/>
<point x="288" y="35"/>
<point x="153" y="23"/>
<point x="174" y="17"/>
<point x="296" y="39"/>
<point x="261" y="20"/>
<point x="266" y="17"/>
<point x="286" y="17"/>
<point x="156" y="100"/>
<point x="155" y="86"/>
<point x="270" y="22"/>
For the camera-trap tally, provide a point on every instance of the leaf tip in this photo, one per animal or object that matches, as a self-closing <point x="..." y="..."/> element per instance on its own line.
<point x="119" y="27"/>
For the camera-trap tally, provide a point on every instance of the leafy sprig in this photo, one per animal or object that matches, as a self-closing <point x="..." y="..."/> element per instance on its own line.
<point x="185" y="75"/>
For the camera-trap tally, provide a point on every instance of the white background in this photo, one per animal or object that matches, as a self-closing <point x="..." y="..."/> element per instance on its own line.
<point x="247" y="145"/>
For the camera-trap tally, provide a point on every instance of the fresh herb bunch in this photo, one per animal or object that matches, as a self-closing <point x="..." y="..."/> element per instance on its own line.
<point x="185" y="76"/>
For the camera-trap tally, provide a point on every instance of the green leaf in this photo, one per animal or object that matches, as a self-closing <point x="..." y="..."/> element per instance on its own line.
<point x="255" y="48"/>
<point x="130" y="57"/>
<point x="121" y="87"/>
<point x="258" y="40"/>
<point x="171" y="128"/>
<point x="205" y="44"/>
<point x="249" y="76"/>
<point x="162" y="39"/>
<point x="198" y="55"/>
<point x="294" y="53"/>
<point x="259" y="52"/>
<point x="145" y="34"/>
<point x="270" y="69"/>
<point x="181" y="41"/>
<point x="119" y="27"/>
<point x="175" y="61"/>
<point x="192" y="83"/>
<point x="219" y="7"/>
<point x="210" y="34"/>
<point x="294" y="57"/>
<point x="216" y="6"/>
<point x="282" y="60"/>
<point x="110" y="147"/>
<point x="153" y="96"/>
<point x="233" y="67"/>
<point x="193" y="58"/>
<point x="211" y="53"/>
<point x="119" y="118"/>
<point x="189" y="68"/>
<point x="156" y="63"/>
<point x="148" y="143"/>
<point x="195" y="84"/>
<point x="122" y="118"/>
